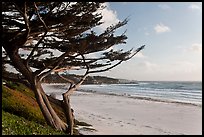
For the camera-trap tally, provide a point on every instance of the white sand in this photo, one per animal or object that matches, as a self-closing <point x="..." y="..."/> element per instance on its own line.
<point x="118" y="115"/>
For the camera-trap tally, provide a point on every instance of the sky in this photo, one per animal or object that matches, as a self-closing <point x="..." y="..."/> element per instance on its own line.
<point x="172" y="33"/>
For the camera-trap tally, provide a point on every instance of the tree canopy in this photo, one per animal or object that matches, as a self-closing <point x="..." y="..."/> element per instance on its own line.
<point x="41" y="29"/>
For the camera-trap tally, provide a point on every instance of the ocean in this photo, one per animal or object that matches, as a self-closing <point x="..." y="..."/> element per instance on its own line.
<point x="183" y="92"/>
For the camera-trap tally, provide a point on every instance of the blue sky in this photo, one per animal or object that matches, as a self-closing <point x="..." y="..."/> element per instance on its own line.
<point x="172" y="33"/>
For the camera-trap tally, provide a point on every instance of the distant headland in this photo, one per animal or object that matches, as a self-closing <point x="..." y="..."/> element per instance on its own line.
<point x="53" y="78"/>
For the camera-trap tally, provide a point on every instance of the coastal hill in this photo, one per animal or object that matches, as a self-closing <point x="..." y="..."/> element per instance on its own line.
<point x="53" y="78"/>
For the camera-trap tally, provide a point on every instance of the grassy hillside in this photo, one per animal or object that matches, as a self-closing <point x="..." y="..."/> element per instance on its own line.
<point x="19" y="100"/>
<point x="21" y="114"/>
<point x="17" y="125"/>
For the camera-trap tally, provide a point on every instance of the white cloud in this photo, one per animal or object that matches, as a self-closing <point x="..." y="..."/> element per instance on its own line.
<point x="109" y="17"/>
<point x="164" y="6"/>
<point x="196" y="47"/>
<point x="194" y="7"/>
<point x="161" y="28"/>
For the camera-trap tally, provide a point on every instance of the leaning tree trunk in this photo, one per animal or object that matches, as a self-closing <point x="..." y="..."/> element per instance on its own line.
<point x="68" y="113"/>
<point x="47" y="110"/>
<point x="66" y="102"/>
<point x="49" y="113"/>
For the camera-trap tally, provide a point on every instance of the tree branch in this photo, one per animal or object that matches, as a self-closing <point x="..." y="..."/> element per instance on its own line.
<point x="52" y="7"/>
<point x="136" y="51"/>
<point x="63" y="69"/>
<point x="36" y="8"/>
<point x="46" y="30"/>
<point x="26" y="20"/>
<point x="66" y="79"/>
<point x="102" y="70"/>
<point x="73" y="88"/>
<point x="54" y="65"/>
<point x="44" y="74"/>
<point x="55" y="62"/>
<point x="25" y="17"/>
<point x="87" y="67"/>
<point x="74" y="85"/>
<point x="35" y="48"/>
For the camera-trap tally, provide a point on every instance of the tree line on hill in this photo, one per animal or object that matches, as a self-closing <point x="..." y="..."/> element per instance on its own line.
<point x="53" y="78"/>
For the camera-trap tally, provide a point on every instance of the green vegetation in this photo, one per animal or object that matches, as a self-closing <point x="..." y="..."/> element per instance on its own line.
<point x="16" y="125"/>
<point x="21" y="102"/>
<point x="21" y="114"/>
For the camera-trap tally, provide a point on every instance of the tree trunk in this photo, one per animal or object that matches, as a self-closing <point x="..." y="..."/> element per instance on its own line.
<point x="68" y="113"/>
<point x="48" y="112"/>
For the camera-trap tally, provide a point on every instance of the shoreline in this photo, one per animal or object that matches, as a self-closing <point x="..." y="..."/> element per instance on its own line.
<point x="157" y="99"/>
<point x="122" y="115"/>
<point x="142" y="98"/>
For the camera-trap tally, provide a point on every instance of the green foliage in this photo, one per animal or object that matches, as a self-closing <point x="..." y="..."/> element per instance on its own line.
<point x="18" y="103"/>
<point x="15" y="125"/>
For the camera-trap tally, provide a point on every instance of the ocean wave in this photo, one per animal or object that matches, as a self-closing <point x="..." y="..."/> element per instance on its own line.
<point x="150" y="98"/>
<point x="159" y="90"/>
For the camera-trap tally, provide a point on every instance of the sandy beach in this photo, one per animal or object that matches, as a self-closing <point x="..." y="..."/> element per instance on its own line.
<point x="120" y="115"/>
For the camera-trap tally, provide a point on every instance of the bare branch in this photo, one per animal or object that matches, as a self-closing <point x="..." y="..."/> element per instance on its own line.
<point x="44" y="74"/>
<point x="73" y="88"/>
<point x="74" y="85"/>
<point x="35" y="48"/>
<point x="26" y="19"/>
<point x="36" y="8"/>
<point x="46" y="30"/>
<point x="66" y="79"/>
<point x="54" y="65"/>
<point x="87" y="67"/>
